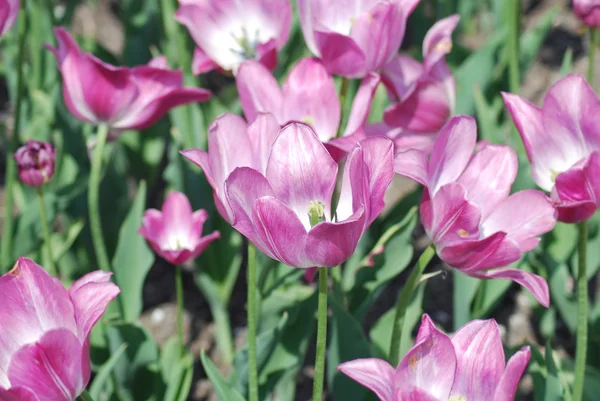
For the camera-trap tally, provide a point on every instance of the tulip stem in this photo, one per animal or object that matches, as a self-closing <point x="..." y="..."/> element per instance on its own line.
<point x="321" y="336"/>
<point x="582" y="327"/>
<point x="404" y="300"/>
<point x="592" y="54"/>
<point x="513" y="12"/>
<point x="85" y="396"/>
<point x="50" y="7"/>
<point x="179" y="294"/>
<point x="252" y="314"/>
<point x="46" y="228"/>
<point x="11" y="164"/>
<point x="343" y="93"/>
<point x="93" y="199"/>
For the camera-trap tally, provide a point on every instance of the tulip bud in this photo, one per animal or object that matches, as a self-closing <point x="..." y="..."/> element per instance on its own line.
<point x="35" y="162"/>
<point x="588" y="11"/>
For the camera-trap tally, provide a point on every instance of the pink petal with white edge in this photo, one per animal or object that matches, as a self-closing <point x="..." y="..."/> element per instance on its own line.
<point x="91" y="295"/>
<point x="476" y="377"/>
<point x="310" y="96"/>
<point x="429" y="365"/>
<point x="534" y="283"/>
<point x="259" y="91"/>
<point x="262" y="134"/>
<point x="438" y="40"/>
<point x="153" y="227"/>
<point x="451" y="152"/>
<point x="361" y="105"/>
<point x="51" y="367"/>
<point x="375" y="374"/>
<point x="509" y="382"/>
<point x="300" y="170"/>
<point x="177" y="213"/>
<point x="341" y="55"/>
<point x="412" y="164"/>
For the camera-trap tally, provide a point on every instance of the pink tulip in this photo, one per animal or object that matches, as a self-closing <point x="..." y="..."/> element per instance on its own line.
<point x="286" y="210"/>
<point x="466" y="209"/>
<point x="44" y="348"/>
<point x="35" y="162"/>
<point x="175" y="233"/>
<point x="356" y="37"/>
<point x="588" y="11"/>
<point x="9" y="10"/>
<point x="231" y="144"/>
<point x="466" y="366"/>
<point x="562" y="140"/>
<point x="124" y="98"/>
<point x="308" y="95"/>
<point x="229" y="32"/>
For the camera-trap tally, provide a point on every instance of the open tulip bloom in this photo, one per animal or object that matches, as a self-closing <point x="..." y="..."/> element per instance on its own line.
<point x="175" y="233"/>
<point x="123" y="98"/>
<point x="562" y="140"/>
<point x="469" y="365"/>
<point x="44" y="348"/>
<point x="466" y="210"/>
<point x="229" y="32"/>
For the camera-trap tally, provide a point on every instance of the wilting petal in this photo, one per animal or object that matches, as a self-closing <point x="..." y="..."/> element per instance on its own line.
<point x="361" y="105"/>
<point x="509" y="382"/>
<point x="476" y="377"/>
<point x="375" y="374"/>
<point x="259" y="91"/>
<point x="340" y="54"/>
<point x="534" y="283"/>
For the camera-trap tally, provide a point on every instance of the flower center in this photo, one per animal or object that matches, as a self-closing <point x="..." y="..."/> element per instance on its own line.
<point x="177" y="242"/>
<point x="316" y="212"/>
<point x="246" y="44"/>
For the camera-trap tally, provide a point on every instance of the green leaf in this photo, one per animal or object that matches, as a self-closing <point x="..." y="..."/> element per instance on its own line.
<point x="177" y="372"/>
<point x="531" y="41"/>
<point x="465" y="288"/>
<point x="553" y="391"/>
<point x="101" y="380"/>
<point x="225" y="392"/>
<point x="133" y="258"/>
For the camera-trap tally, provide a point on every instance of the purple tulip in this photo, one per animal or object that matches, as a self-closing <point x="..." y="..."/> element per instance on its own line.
<point x="470" y="365"/>
<point x="562" y="140"/>
<point x="588" y="11"/>
<point x="285" y="211"/>
<point x="9" y="10"/>
<point x="231" y="144"/>
<point x="466" y="209"/>
<point x="356" y="37"/>
<point x="44" y="347"/>
<point x="175" y="233"/>
<point x="35" y="163"/>
<point x="229" y="32"/>
<point x="124" y="98"/>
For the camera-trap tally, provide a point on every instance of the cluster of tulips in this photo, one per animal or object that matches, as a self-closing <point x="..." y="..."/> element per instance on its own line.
<point x="275" y="175"/>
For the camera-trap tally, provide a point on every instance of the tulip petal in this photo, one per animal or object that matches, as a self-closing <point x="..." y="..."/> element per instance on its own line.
<point x="438" y="40"/>
<point x="261" y="134"/>
<point x="177" y="211"/>
<point x="375" y="374"/>
<point x="300" y="171"/>
<point x="534" y="283"/>
<point x="17" y="394"/>
<point x="340" y="54"/>
<point x="201" y="63"/>
<point x="258" y="91"/>
<point x="412" y="164"/>
<point x="476" y="377"/>
<point x="509" y="382"/>
<point x="51" y="367"/>
<point x="400" y="76"/>
<point x="361" y="105"/>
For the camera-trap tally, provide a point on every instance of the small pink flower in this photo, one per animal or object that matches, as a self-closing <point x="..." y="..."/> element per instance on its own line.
<point x="175" y="233"/>
<point x="9" y="10"/>
<point x="470" y="365"/>
<point x="229" y="32"/>
<point x="588" y="11"/>
<point x="466" y="209"/>
<point x="35" y="162"/>
<point x="356" y="37"/>
<point x="124" y="98"/>
<point x="286" y="210"/>
<point x="44" y="347"/>
<point x="562" y="140"/>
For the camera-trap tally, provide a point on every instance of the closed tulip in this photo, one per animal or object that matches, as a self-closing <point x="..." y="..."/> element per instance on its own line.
<point x="35" y="163"/>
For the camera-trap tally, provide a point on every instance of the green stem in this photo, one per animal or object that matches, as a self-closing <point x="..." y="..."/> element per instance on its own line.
<point x="592" y="54"/>
<point x="223" y="332"/>
<point x="179" y="292"/>
<point x="343" y="93"/>
<point x="6" y="247"/>
<point x="93" y="199"/>
<point x="252" y="314"/>
<point x="85" y="396"/>
<point x="582" y="312"/>
<point x="50" y="7"/>
<point x="513" y="13"/>
<point x="321" y="336"/>
<point x="46" y="228"/>
<point x="404" y="300"/>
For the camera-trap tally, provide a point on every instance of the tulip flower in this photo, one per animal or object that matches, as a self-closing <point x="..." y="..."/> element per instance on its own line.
<point x="308" y="95"/>
<point x="229" y="32"/>
<point x="285" y="211"/>
<point x="9" y="10"/>
<point x="588" y="11"/>
<point x="123" y="98"/>
<point x="466" y="209"/>
<point x="562" y="140"/>
<point x="44" y="347"/>
<point x="231" y="144"/>
<point x="357" y="38"/>
<point x="469" y="365"/>
<point x="35" y="163"/>
<point x="175" y="233"/>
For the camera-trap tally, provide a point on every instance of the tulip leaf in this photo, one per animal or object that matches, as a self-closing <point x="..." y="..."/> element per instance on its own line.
<point x="553" y="391"/>
<point x="133" y="258"/>
<point x="101" y="380"/>
<point x="465" y="288"/>
<point x="224" y="391"/>
<point x="177" y="371"/>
